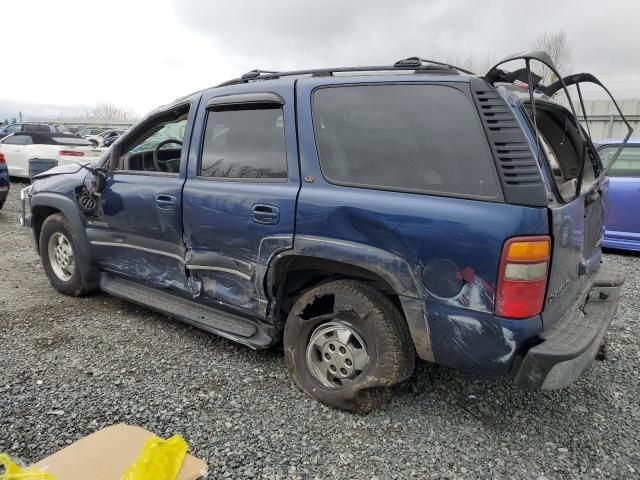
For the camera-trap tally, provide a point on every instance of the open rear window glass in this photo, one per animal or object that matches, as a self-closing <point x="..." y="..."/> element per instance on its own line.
<point x="563" y="147"/>
<point x="415" y="138"/>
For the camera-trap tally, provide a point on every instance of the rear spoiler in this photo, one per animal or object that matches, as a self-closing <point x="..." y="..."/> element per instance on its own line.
<point x="532" y="81"/>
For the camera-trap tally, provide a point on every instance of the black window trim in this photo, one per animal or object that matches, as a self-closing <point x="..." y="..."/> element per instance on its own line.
<point x="462" y="87"/>
<point x="246" y="105"/>
<point x="247" y="99"/>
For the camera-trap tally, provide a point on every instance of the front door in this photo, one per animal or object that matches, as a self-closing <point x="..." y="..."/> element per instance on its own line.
<point x="240" y="195"/>
<point x="137" y="231"/>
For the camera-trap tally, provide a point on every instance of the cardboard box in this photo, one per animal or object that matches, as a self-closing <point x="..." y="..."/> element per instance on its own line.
<point x="106" y="454"/>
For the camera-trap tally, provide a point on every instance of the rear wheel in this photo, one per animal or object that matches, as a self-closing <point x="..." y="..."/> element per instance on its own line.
<point x="346" y="343"/>
<point x="59" y="257"/>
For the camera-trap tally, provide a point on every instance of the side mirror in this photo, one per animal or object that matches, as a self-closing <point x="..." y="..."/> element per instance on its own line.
<point x="99" y="181"/>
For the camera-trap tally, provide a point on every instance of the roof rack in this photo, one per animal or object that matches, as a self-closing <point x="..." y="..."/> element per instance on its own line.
<point x="417" y="64"/>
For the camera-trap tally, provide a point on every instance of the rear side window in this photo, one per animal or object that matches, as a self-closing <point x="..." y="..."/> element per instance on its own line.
<point x="627" y="164"/>
<point x="416" y="138"/>
<point x="244" y="144"/>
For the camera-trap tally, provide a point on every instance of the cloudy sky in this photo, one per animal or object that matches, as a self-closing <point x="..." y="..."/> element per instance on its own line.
<point x="64" y="56"/>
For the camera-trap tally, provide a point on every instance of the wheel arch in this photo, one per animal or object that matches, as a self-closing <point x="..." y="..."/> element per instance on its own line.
<point x="315" y="260"/>
<point x="44" y="205"/>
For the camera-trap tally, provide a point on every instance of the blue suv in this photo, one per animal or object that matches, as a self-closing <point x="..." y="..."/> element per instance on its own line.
<point x="360" y="216"/>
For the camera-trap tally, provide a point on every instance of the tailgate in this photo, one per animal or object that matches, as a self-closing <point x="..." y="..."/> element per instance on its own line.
<point x="577" y="221"/>
<point x="576" y="177"/>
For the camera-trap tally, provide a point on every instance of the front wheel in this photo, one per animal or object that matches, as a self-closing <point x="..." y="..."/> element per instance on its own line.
<point x="345" y="343"/>
<point x="59" y="257"/>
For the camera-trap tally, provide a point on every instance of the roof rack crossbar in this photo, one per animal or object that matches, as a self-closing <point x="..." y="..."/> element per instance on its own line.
<point x="413" y="63"/>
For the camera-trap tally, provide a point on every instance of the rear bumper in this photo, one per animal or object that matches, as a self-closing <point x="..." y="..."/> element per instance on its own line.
<point x="569" y="348"/>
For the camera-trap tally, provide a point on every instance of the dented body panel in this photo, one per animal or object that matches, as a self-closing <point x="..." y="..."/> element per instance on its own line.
<point x="214" y="250"/>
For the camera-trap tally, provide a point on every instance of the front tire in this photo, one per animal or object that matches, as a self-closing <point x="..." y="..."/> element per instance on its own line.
<point x="346" y="343"/>
<point x="58" y="252"/>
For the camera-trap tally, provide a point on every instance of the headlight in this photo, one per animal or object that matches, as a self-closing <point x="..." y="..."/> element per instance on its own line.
<point x="25" y="193"/>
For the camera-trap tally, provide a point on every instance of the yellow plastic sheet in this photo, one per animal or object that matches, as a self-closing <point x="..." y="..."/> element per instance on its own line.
<point x="159" y="460"/>
<point x="14" y="472"/>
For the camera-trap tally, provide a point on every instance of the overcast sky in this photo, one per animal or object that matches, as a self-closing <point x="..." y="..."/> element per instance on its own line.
<point x="60" y="56"/>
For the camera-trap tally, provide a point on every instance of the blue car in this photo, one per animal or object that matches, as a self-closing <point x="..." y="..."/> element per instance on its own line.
<point x="622" y="218"/>
<point x="4" y="180"/>
<point x="360" y="216"/>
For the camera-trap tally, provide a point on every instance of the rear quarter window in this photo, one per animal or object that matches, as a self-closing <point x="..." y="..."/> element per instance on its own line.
<point x="414" y="138"/>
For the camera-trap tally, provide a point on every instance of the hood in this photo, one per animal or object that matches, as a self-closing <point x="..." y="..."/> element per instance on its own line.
<point x="60" y="170"/>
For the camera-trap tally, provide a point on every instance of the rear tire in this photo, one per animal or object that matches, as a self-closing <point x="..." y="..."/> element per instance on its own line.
<point x="345" y="344"/>
<point x="58" y="252"/>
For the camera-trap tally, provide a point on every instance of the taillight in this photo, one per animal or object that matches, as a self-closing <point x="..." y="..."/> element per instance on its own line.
<point x="522" y="279"/>
<point x="2" y="159"/>
<point x="71" y="153"/>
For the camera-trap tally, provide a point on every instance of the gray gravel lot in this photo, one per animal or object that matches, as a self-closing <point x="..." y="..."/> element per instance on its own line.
<point x="70" y="366"/>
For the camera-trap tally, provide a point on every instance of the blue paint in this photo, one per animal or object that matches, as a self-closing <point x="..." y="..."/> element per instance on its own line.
<point x="211" y="250"/>
<point x="622" y="220"/>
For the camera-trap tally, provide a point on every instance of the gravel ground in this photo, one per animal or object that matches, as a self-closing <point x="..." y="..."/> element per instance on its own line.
<point x="70" y="366"/>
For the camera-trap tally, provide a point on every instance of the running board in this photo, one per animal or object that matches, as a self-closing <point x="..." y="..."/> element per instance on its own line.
<point x="252" y="333"/>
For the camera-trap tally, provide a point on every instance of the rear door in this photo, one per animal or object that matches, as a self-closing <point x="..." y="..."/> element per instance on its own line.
<point x="622" y="219"/>
<point x="239" y="200"/>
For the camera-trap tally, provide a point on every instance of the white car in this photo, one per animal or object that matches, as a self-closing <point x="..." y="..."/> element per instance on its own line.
<point x="19" y="148"/>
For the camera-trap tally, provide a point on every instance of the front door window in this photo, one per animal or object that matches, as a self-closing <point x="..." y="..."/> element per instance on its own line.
<point x="158" y="148"/>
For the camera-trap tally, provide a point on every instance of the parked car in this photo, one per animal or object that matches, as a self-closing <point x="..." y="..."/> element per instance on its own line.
<point x="4" y="180"/>
<point x="75" y="129"/>
<point x="99" y="140"/>
<point x="358" y="219"/>
<point x="27" y="127"/>
<point x="108" y="141"/>
<point x="88" y="131"/>
<point x="622" y="219"/>
<point x="19" y="148"/>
